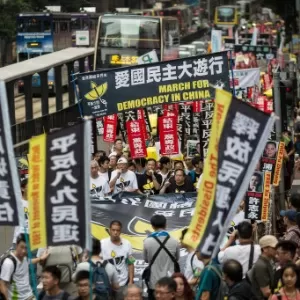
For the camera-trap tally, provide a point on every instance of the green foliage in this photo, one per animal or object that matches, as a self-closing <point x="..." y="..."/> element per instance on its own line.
<point x="8" y="12"/>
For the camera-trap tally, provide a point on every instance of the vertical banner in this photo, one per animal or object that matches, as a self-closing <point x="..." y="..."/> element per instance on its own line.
<point x="136" y="139"/>
<point x="110" y="128"/>
<point x="100" y="126"/>
<point x="185" y="119"/>
<point x="168" y="135"/>
<point x="122" y="126"/>
<point x="254" y="36"/>
<point x="238" y="133"/>
<point x="36" y="192"/>
<point x="145" y="123"/>
<point x="11" y="210"/>
<point x="59" y="187"/>
<point x="207" y="112"/>
<point x="278" y="166"/>
<point x="268" y="159"/>
<point x="216" y="40"/>
<point x="266" y="196"/>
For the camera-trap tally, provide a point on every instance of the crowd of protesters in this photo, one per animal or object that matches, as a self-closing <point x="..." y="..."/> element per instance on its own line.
<point x="245" y="268"/>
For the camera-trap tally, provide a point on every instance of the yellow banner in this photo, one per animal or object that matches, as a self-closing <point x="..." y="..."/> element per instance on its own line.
<point x="266" y="196"/>
<point x="207" y="190"/>
<point x="36" y="191"/>
<point x="278" y="165"/>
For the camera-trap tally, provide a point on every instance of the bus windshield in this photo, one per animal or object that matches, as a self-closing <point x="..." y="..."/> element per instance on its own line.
<point x="226" y="14"/>
<point x="129" y="33"/>
<point x="32" y="24"/>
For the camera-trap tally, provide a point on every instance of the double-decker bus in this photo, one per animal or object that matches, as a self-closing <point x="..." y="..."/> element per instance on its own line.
<point x="226" y="16"/>
<point x="43" y="33"/>
<point x="121" y="39"/>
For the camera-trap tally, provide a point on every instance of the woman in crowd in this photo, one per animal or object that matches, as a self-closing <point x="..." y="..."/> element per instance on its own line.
<point x="290" y="281"/>
<point x="184" y="291"/>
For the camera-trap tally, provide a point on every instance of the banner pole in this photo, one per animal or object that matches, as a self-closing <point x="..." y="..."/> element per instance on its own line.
<point x="76" y="94"/>
<point x="31" y="268"/>
<point x="232" y="74"/>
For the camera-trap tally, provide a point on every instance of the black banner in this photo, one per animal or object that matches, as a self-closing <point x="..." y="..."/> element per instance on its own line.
<point x="185" y="118"/>
<point x="207" y="112"/>
<point x="237" y="135"/>
<point x="66" y="221"/>
<point x="11" y="212"/>
<point x="117" y="90"/>
<point x="261" y="52"/>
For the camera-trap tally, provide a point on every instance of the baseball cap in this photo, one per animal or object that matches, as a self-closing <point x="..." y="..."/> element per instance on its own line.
<point x="268" y="241"/>
<point x="290" y="214"/>
<point x="122" y="160"/>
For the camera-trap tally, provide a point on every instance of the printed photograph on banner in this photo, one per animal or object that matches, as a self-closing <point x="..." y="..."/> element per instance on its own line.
<point x="193" y="148"/>
<point x="113" y="91"/>
<point x="237" y="135"/>
<point x="256" y="183"/>
<point x="269" y="157"/>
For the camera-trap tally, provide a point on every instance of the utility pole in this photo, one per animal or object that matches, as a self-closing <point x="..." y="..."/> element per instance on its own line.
<point x="278" y="128"/>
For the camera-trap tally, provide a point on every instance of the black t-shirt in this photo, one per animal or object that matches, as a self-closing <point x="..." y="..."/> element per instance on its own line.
<point x="145" y="183"/>
<point x="186" y="187"/>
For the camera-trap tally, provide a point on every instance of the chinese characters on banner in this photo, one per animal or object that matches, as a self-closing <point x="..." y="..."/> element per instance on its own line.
<point x="185" y="118"/>
<point x="168" y="137"/>
<point x="207" y="112"/>
<point x="243" y="79"/>
<point x="258" y="196"/>
<point x="59" y="187"/>
<point x="11" y="211"/>
<point x="112" y="91"/>
<point x="278" y="165"/>
<point x="110" y="128"/>
<point x="238" y="133"/>
<point x="100" y="126"/>
<point x="136" y="139"/>
<point x="145" y="123"/>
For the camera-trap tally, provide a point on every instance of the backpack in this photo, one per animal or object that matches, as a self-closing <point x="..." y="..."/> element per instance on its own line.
<point x="64" y="258"/>
<point x="8" y="254"/>
<point x="101" y="281"/>
<point x="223" y="289"/>
<point x="65" y="295"/>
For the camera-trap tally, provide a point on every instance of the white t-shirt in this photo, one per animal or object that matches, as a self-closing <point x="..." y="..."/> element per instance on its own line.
<point x="99" y="186"/>
<point x="104" y="175"/>
<point x="192" y="267"/>
<point x="117" y="255"/>
<point x="20" y="288"/>
<point x="241" y="253"/>
<point x="125" y="182"/>
<point x="21" y="229"/>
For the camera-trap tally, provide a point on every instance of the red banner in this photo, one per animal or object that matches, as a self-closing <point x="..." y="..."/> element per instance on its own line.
<point x="136" y="139"/>
<point x="141" y="116"/>
<point x="268" y="106"/>
<point x="197" y="106"/>
<point x="110" y="128"/>
<point x="170" y="108"/>
<point x="268" y="82"/>
<point x="168" y="135"/>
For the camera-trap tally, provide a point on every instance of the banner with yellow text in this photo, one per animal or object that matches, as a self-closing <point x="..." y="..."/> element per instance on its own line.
<point x="114" y="91"/>
<point x="238" y="135"/>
